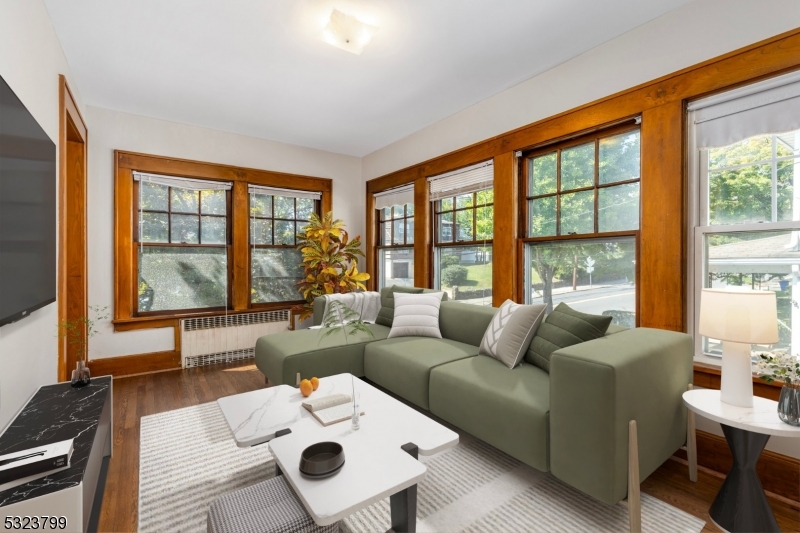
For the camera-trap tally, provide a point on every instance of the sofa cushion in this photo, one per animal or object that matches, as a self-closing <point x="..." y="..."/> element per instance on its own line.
<point x="564" y="327"/>
<point x="464" y="322"/>
<point x="507" y="408"/>
<point x="416" y="315"/>
<point x="386" y="314"/>
<point x="280" y="356"/>
<point x="510" y="333"/>
<point x="403" y="365"/>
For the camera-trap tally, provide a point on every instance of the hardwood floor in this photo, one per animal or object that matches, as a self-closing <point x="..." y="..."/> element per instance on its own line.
<point x="148" y="394"/>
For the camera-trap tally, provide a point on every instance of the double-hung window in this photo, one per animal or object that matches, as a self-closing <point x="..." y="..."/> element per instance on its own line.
<point x="183" y="239"/>
<point x="395" y="235"/>
<point x="276" y="216"/>
<point x="581" y="200"/>
<point x="744" y="163"/>
<point x="463" y="212"/>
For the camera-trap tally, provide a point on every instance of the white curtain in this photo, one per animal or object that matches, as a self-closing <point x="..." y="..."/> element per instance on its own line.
<point x="397" y="196"/>
<point x="288" y="193"/>
<point x="183" y="183"/>
<point x="768" y="107"/>
<point x="462" y="181"/>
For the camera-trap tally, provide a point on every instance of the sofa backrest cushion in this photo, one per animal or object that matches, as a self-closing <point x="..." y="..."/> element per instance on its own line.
<point x="564" y="327"/>
<point x="386" y="314"/>
<point x="464" y="322"/>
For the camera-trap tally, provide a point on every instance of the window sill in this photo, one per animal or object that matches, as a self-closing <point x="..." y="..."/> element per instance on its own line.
<point x="167" y="321"/>
<point x="708" y="376"/>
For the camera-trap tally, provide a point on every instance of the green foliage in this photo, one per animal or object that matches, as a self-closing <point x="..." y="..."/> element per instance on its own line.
<point x="339" y="317"/>
<point x="448" y="260"/>
<point x="454" y="275"/>
<point x="78" y="332"/>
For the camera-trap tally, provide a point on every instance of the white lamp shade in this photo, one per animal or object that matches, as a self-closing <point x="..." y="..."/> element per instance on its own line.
<point x="744" y="316"/>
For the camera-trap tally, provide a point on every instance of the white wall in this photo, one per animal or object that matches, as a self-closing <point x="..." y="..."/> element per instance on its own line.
<point x="112" y="130"/>
<point x="690" y="34"/>
<point x="30" y="61"/>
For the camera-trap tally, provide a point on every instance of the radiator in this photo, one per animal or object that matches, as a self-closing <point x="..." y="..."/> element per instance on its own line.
<point x="220" y="339"/>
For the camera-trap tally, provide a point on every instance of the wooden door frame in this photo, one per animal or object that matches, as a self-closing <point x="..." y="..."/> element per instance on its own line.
<point x="73" y="144"/>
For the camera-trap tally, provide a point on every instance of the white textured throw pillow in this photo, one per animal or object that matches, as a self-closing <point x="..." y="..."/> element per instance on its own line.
<point x="511" y="331"/>
<point x="416" y="315"/>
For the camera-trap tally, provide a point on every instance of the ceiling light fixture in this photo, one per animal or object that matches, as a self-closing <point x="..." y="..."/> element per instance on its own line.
<point x="347" y="32"/>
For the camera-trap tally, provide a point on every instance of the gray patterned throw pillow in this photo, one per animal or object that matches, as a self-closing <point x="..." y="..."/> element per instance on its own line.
<point x="510" y="332"/>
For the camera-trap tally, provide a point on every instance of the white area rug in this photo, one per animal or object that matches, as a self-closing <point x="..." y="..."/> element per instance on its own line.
<point x="188" y="459"/>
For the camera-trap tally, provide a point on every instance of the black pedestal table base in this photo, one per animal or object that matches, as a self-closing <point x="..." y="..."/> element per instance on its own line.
<point x="741" y="505"/>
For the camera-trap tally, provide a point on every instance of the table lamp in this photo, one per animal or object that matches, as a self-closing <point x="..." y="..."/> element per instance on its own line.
<point x="738" y="318"/>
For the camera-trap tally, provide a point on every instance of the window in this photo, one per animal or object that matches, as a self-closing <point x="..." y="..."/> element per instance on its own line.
<point x="275" y="262"/>
<point x="744" y="161"/>
<point x="183" y="241"/>
<point x="463" y="212"/>
<point x="396" y="244"/>
<point x="582" y="222"/>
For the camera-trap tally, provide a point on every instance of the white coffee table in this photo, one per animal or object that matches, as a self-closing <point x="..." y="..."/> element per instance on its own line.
<point x="380" y="458"/>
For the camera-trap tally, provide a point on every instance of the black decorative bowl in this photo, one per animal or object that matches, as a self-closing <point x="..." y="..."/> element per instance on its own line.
<point x="322" y="459"/>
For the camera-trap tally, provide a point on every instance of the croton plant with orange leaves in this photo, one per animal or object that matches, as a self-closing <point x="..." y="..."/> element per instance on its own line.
<point x="330" y="261"/>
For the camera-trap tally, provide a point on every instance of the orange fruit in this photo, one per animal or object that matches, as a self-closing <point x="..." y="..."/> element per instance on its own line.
<point x="315" y="383"/>
<point x="306" y="388"/>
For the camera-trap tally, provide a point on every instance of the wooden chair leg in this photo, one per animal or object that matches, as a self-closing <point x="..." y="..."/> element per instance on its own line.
<point x="634" y="494"/>
<point x="691" y="444"/>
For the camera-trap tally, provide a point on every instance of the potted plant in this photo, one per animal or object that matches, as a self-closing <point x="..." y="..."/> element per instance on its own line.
<point x="779" y="365"/>
<point x="330" y="261"/>
<point x="77" y="332"/>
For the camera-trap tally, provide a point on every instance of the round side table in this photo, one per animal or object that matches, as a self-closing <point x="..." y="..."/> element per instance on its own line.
<point x="741" y="505"/>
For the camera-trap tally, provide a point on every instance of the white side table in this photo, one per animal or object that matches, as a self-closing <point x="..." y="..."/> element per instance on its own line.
<point x="741" y="504"/>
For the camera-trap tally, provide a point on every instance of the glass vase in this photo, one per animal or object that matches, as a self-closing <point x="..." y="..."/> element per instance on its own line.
<point x="789" y="404"/>
<point x="81" y="376"/>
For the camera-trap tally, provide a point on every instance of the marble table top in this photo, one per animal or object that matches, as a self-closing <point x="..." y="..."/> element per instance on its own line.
<point x="761" y="418"/>
<point x="55" y="413"/>
<point x="375" y="465"/>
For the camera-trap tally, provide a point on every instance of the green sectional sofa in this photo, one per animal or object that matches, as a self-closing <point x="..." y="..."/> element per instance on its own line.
<point x="572" y="421"/>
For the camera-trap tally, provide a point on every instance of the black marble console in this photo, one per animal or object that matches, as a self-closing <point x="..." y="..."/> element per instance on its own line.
<point x="55" y="413"/>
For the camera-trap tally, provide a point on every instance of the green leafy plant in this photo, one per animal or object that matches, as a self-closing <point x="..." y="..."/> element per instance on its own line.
<point x="77" y="332"/>
<point x="330" y="261"/>
<point x="339" y="317"/>
<point x="454" y="275"/>
<point x="778" y="366"/>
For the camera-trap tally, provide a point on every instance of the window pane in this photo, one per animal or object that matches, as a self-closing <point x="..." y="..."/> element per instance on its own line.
<point x="484" y="223"/>
<point x="786" y="203"/>
<point x="592" y="276"/>
<point x="397" y="211"/>
<point x="260" y="231"/>
<point x="396" y="267"/>
<point x="577" y="167"/>
<point x="284" y="207"/>
<point x="485" y="197"/>
<point x="155" y="227"/>
<point x="444" y="225"/>
<point x="184" y="200"/>
<point x="577" y="212"/>
<point x="740" y="195"/>
<point x="542" y="175"/>
<point x="212" y="230"/>
<point x="753" y="150"/>
<point x="410" y="230"/>
<point x="465" y="200"/>
<point x="542" y="213"/>
<point x="386" y="233"/>
<point x="305" y="207"/>
<point x="760" y="261"/>
<point x="274" y="272"/>
<point x="619" y="157"/>
<point x="399" y="231"/>
<point x="212" y="202"/>
<point x="260" y="205"/>
<point x="386" y="213"/>
<point x="445" y="204"/>
<point x="172" y="278"/>
<point x="185" y="229"/>
<point x="465" y="273"/>
<point x="464" y="225"/>
<point x="618" y="208"/>
<point x="154" y="196"/>
<point x="409" y="210"/>
<point x="284" y="231"/>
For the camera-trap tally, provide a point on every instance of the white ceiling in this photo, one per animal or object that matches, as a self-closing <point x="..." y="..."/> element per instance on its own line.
<point x="257" y="67"/>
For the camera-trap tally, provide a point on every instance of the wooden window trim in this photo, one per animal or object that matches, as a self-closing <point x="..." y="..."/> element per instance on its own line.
<point x="125" y="301"/>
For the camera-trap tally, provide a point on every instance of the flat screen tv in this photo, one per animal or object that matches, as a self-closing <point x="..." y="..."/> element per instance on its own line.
<point x="27" y="211"/>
